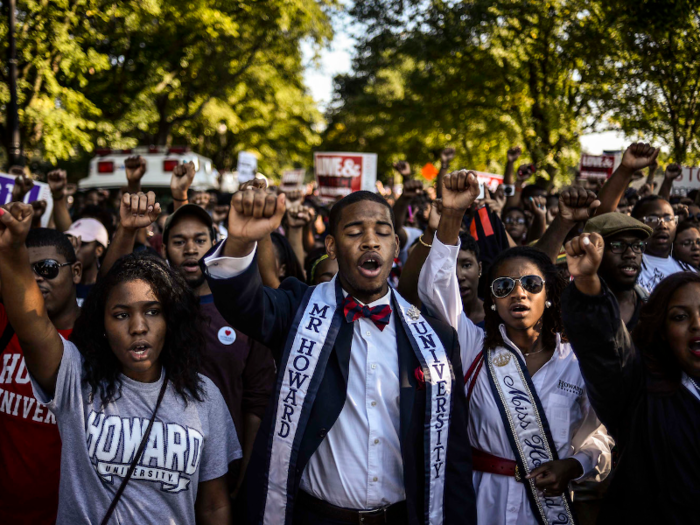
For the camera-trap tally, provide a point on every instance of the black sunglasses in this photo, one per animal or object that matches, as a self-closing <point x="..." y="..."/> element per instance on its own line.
<point x="48" y="268"/>
<point x="504" y="286"/>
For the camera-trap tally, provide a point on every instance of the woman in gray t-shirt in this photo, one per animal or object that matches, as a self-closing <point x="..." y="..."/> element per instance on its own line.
<point x="137" y="330"/>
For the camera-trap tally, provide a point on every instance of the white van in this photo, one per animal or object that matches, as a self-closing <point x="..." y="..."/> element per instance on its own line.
<point x="107" y="168"/>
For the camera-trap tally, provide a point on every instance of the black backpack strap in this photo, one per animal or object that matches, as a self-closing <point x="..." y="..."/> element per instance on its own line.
<point x="6" y="336"/>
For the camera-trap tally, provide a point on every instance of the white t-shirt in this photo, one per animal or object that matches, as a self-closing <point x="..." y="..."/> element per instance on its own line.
<point x="656" y="269"/>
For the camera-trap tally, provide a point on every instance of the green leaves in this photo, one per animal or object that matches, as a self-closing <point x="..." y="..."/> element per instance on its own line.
<point x="215" y="75"/>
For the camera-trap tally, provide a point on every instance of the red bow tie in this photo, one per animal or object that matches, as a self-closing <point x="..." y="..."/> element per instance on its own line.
<point x="379" y="315"/>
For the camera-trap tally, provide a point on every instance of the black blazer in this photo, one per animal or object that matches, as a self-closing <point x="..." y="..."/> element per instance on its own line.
<point x="266" y="315"/>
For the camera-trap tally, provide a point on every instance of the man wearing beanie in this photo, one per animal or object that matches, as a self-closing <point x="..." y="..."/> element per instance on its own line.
<point x="622" y="260"/>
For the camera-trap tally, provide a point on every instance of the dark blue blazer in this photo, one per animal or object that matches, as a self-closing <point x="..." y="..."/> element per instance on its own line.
<point x="266" y="315"/>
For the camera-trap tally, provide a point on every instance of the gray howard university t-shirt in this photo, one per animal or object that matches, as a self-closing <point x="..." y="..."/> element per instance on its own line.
<point x="187" y="445"/>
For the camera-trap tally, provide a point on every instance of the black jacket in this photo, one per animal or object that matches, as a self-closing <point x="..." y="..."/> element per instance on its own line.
<point x="266" y="315"/>
<point x="657" y="479"/>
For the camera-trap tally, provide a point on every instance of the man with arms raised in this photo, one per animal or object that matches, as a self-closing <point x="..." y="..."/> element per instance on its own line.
<point x="367" y="424"/>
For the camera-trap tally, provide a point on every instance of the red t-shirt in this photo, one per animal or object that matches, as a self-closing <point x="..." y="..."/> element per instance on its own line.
<point x="30" y="446"/>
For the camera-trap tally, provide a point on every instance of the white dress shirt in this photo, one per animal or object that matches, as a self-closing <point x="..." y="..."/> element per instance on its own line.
<point x="575" y="429"/>
<point x="358" y="465"/>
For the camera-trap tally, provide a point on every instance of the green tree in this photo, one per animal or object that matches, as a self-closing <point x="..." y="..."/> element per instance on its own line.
<point x="656" y="88"/>
<point x="481" y="75"/>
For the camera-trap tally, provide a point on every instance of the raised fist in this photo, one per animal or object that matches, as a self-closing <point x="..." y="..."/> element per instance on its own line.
<point x="577" y="204"/>
<point x="525" y="171"/>
<point x="181" y="180"/>
<point x="39" y="208"/>
<point x="447" y="155"/>
<point x="638" y="156"/>
<point x="58" y="183"/>
<point x="673" y="171"/>
<point x="15" y="223"/>
<point x="254" y="214"/>
<point x="583" y="255"/>
<point x="412" y="188"/>
<point x="298" y="216"/>
<point x="460" y="190"/>
<point x="135" y="168"/>
<point x="254" y="183"/>
<point x="403" y="167"/>
<point x="293" y="197"/>
<point x="514" y="153"/>
<point x="496" y="201"/>
<point x="22" y="186"/>
<point x="138" y="210"/>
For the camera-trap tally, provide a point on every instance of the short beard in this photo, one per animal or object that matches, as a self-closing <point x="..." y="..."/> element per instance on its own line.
<point x="197" y="282"/>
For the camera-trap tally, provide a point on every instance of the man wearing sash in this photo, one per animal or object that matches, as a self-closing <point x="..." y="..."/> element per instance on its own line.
<point x="368" y="421"/>
<point x="530" y="421"/>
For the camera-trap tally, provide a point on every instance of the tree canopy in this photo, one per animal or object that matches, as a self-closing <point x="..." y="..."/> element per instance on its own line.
<point x="220" y="76"/>
<point x="482" y="75"/>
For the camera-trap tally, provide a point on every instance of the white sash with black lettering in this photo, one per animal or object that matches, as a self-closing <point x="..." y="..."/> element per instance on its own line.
<point x="304" y="364"/>
<point x="528" y="430"/>
<point x="439" y="380"/>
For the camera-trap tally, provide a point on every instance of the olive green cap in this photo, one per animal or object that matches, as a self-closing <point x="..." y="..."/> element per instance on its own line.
<point x="613" y="223"/>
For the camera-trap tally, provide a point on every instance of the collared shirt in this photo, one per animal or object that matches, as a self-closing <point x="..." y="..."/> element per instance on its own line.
<point x="358" y="465"/>
<point x="575" y="429"/>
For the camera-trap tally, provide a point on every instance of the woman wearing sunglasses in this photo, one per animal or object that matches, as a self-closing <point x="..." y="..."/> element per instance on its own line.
<point x="146" y="439"/>
<point x="531" y="427"/>
<point x="645" y="386"/>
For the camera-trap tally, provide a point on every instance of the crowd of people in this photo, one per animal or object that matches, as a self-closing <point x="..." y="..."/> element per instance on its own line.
<point x="437" y="356"/>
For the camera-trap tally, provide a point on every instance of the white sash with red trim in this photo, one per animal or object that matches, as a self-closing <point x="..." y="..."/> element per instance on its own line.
<point x="311" y="340"/>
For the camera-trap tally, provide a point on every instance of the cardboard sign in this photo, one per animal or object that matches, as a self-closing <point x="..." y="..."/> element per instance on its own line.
<point x="292" y="179"/>
<point x="40" y="191"/>
<point x="596" y="166"/>
<point x="247" y="166"/>
<point x="340" y="174"/>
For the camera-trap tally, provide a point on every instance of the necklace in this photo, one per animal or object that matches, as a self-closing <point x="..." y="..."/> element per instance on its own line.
<point x="528" y="354"/>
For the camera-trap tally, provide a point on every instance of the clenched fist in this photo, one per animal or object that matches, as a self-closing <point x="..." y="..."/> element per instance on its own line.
<point x="638" y="156"/>
<point x="460" y="190"/>
<point x="577" y="204"/>
<point x="181" y="180"/>
<point x="15" y="223"/>
<point x="254" y="214"/>
<point x="583" y="256"/>
<point x="135" y="168"/>
<point x="58" y="183"/>
<point x="138" y="210"/>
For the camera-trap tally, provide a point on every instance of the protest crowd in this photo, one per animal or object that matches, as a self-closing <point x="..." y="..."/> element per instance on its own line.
<point x="442" y="353"/>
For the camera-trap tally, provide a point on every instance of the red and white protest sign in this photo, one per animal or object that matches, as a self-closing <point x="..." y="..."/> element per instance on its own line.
<point x="340" y="174"/>
<point x="597" y="166"/>
<point x="292" y="179"/>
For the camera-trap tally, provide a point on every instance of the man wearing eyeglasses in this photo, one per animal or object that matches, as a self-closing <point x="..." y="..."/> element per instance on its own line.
<point x="657" y="262"/>
<point x="622" y="260"/>
<point x="30" y="446"/>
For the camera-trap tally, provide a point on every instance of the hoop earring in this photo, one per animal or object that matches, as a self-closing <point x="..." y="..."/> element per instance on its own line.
<point x="547" y="304"/>
<point x="493" y="307"/>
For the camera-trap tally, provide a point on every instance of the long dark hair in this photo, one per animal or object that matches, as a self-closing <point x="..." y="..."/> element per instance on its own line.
<point x="555" y="283"/>
<point x="649" y="336"/>
<point x="286" y="255"/>
<point x="183" y="337"/>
